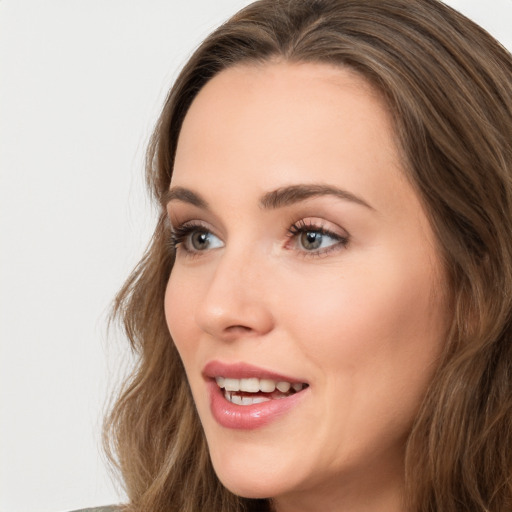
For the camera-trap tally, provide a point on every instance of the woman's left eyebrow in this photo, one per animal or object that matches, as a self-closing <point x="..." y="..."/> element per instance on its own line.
<point x="278" y="198"/>
<point x="285" y="196"/>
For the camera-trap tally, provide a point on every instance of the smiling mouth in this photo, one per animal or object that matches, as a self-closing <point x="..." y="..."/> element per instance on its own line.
<point x="255" y="391"/>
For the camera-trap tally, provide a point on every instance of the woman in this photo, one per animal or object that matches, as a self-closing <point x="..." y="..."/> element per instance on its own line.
<point x="323" y="316"/>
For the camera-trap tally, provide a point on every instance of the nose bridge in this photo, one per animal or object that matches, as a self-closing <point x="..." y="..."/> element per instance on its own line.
<point x="235" y="299"/>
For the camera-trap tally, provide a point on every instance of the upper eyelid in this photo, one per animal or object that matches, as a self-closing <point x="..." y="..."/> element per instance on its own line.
<point x="186" y="228"/>
<point x="192" y="223"/>
<point x="341" y="240"/>
<point x="321" y="224"/>
<point x="182" y="206"/>
<point x="295" y="230"/>
<point x="179" y="236"/>
<point x="187" y="213"/>
<point x="312" y="222"/>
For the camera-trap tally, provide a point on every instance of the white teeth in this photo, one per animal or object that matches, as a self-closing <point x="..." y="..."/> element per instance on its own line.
<point x="254" y="385"/>
<point x="260" y="399"/>
<point x="236" y="399"/>
<point x="244" y="400"/>
<point x="284" y="387"/>
<point x="267" y="385"/>
<point x="231" y="384"/>
<point x="250" y="385"/>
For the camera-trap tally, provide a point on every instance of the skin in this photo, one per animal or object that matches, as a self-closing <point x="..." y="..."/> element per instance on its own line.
<point x="362" y="322"/>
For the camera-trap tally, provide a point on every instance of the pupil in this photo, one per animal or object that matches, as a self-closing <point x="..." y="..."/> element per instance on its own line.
<point x="200" y="241"/>
<point x="311" y="240"/>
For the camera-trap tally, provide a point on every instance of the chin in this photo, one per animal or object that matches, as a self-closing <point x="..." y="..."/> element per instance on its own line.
<point x="257" y="479"/>
<point x="249" y="487"/>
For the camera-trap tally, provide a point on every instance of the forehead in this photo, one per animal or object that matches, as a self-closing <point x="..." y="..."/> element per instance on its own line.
<point x="256" y="128"/>
<point x="288" y="102"/>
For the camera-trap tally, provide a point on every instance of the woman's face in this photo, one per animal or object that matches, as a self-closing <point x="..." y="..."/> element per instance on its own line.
<point x="304" y="261"/>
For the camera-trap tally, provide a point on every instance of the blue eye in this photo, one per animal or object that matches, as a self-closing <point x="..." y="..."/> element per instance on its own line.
<point x="307" y="238"/>
<point x="202" y="241"/>
<point x="313" y="239"/>
<point x="195" y="238"/>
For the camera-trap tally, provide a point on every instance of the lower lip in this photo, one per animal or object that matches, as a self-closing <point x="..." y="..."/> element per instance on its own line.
<point x="248" y="417"/>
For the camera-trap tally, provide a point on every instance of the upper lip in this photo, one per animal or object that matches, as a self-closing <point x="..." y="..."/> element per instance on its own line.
<point x="244" y="371"/>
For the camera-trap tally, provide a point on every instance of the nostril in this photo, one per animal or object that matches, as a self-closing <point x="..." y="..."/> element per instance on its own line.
<point x="235" y="328"/>
<point x="235" y="332"/>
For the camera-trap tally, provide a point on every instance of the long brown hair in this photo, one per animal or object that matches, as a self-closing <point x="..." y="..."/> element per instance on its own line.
<point x="448" y="85"/>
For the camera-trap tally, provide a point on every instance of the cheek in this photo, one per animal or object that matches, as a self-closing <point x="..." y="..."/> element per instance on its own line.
<point x="377" y="333"/>
<point x="179" y="304"/>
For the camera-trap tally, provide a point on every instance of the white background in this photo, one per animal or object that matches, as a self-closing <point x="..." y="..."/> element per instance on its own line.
<point x="81" y="84"/>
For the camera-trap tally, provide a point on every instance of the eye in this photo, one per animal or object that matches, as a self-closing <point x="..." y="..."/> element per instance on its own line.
<point x="195" y="238"/>
<point x="313" y="238"/>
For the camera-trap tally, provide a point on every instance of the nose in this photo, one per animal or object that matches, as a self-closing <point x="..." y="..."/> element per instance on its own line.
<point x="237" y="299"/>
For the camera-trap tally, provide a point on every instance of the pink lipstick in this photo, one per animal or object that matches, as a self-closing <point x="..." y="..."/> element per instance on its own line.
<point x="246" y="397"/>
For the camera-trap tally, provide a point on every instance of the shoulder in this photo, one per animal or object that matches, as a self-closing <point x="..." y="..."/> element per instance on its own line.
<point x="110" y="508"/>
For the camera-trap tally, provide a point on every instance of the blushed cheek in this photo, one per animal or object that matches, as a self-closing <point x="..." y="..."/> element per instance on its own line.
<point x="176" y="304"/>
<point x="388" y="317"/>
<point x="169" y="303"/>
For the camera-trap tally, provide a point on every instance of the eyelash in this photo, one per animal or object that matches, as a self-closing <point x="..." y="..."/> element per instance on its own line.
<point x="180" y="234"/>
<point x="309" y="226"/>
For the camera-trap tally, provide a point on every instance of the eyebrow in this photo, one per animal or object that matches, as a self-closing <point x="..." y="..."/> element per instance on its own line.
<point x="185" y="195"/>
<point x="278" y="198"/>
<point x="285" y="196"/>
